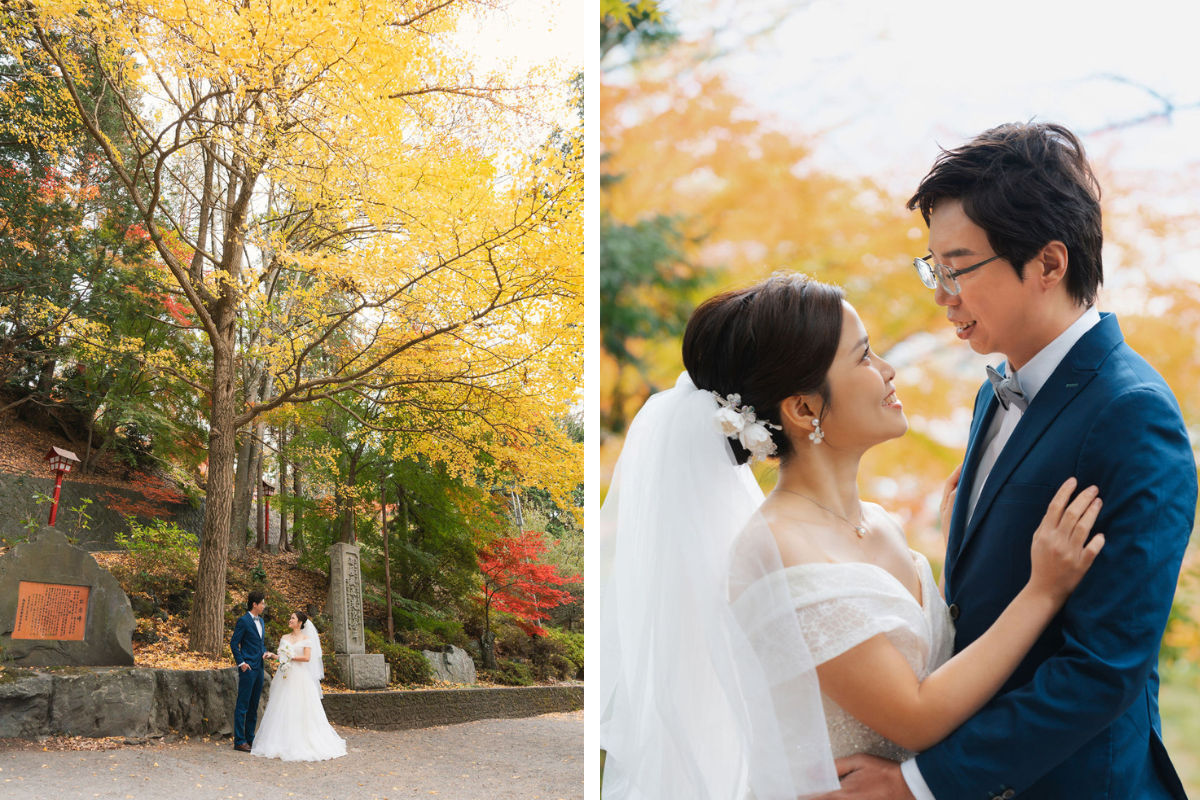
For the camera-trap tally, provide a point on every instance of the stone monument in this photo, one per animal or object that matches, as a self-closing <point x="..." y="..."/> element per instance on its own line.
<point x="451" y="665"/>
<point x="58" y="607"/>
<point x="356" y="668"/>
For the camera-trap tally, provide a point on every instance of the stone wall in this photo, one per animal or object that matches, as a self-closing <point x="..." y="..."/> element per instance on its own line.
<point x="425" y="708"/>
<point x="118" y="702"/>
<point x="17" y="503"/>
<point x="141" y="703"/>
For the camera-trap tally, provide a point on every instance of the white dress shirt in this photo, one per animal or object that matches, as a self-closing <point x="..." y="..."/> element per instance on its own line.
<point x="1033" y="377"/>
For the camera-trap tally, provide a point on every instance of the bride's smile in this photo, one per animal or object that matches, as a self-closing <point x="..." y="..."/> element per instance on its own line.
<point x="863" y="408"/>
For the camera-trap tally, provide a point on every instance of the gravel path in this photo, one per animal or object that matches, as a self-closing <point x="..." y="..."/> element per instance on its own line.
<point x="536" y="758"/>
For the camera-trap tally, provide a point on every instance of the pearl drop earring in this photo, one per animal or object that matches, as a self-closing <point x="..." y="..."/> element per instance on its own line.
<point x="817" y="435"/>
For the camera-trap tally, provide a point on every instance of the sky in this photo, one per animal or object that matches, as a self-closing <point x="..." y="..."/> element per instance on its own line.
<point x="529" y="32"/>
<point x="892" y="80"/>
<point x="525" y="35"/>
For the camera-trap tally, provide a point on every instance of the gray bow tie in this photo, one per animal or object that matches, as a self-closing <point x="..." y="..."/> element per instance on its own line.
<point x="1008" y="390"/>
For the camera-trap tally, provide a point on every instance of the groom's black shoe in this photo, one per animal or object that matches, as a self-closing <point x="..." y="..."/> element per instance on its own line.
<point x="245" y="748"/>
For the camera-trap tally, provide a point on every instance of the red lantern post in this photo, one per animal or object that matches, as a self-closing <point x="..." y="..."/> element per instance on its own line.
<point x="61" y="462"/>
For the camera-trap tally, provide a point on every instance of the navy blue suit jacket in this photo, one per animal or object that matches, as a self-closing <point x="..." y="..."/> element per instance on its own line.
<point x="247" y="645"/>
<point x="1079" y="717"/>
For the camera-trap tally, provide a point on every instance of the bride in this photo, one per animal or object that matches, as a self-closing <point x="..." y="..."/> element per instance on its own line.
<point x="294" y="727"/>
<point x="746" y="641"/>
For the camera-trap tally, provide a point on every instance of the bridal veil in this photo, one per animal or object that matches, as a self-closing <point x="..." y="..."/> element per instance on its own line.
<point x="708" y="690"/>
<point x="315" y="666"/>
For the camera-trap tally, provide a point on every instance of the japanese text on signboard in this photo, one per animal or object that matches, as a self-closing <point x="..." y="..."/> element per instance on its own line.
<point x="51" y="611"/>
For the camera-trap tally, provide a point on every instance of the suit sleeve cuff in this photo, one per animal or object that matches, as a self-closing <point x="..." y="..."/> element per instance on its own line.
<point x="916" y="784"/>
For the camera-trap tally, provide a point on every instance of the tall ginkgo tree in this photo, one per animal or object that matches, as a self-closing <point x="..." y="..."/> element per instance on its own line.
<point x="343" y="207"/>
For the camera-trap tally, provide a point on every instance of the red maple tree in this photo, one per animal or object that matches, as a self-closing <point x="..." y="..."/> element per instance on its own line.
<point x="517" y="581"/>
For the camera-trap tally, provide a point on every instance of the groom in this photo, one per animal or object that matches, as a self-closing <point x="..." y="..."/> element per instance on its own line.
<point x="249" y="649"/>
<point x="1014" y="239"/>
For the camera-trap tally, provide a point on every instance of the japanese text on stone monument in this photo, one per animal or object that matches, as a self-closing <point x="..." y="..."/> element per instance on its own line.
<point x="51" y="611"/>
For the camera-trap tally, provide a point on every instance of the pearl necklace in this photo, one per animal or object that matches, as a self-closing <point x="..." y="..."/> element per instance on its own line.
<point x="860" y="529"/>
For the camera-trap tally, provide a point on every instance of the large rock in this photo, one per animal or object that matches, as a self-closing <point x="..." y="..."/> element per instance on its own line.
<point x="25" y="705"/>
<point x="108" y="703"/>
<point x="49" y="558"/>
<point x="451" y="665"/>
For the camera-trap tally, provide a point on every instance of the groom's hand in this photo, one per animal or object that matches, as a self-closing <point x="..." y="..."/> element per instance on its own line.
<point x="869" y="778"/>
<point x="243" y="667"/>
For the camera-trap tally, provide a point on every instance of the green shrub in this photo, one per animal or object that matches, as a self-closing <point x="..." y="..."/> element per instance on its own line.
<point x="560" y="667"/>
<point x="428" y="630"/>
<point x="510" y="673"/>
<point x="421" y="640"/>
<point x="161" y="563"/>
<point x="572" y="647"/>
<point x="510" y="640"/>
<point x="408" y="665"/>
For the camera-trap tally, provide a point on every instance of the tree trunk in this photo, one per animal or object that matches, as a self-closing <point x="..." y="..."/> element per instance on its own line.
<point x="240" y="512"/>
<point x="46" y="377"/>
<point x="260" y="528"/>
<point x="406" y="585"/>
<point x="402" y="501"/>
<point x="297" y="533"/>
<point x="259" y="386"/>
<point x="283" y="489"/>
<point x="349" y="533"/>
<point x="487" y="645"/>
<point x="85" y="467"/>
<point x="206" y="626"/>
<point x="387" y="565"/>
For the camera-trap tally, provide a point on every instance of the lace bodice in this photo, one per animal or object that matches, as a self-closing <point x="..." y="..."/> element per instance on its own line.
<point x="842" y="605"/>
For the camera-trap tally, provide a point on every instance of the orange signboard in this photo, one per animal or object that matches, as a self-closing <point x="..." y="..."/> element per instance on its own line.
<point x="51" y="611"/>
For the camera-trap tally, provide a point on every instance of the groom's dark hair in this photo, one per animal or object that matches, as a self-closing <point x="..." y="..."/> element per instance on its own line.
<point x="1026" y="185"/>
<point x="254" y="599"/>
<point x="768" y="342"/>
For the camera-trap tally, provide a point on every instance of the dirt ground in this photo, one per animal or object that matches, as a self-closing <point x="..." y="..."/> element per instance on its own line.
<point x="536" y="758"/>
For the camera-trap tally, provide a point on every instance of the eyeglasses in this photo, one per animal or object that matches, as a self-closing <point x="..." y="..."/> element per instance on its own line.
<point x="934" y="275"/>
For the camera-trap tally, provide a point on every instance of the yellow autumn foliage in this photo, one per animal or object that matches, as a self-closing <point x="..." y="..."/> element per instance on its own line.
<point x="348" y="210"/>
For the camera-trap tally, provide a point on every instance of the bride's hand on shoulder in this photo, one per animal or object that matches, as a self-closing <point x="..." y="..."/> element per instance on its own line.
<point x="1061" y="554"/>
<point x="949" y="492"/>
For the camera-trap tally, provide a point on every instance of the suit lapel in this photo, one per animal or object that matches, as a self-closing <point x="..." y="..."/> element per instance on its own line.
<point x="1070" y="378"/>
<point x="986" y="399"/>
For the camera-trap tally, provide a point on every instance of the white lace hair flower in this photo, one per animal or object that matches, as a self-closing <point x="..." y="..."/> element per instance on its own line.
<point x="734" y="420"/>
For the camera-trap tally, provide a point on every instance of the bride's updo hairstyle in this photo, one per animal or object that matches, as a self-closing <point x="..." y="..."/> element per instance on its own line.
<point x="767" y="342"/>
<point x="301" y="617"/>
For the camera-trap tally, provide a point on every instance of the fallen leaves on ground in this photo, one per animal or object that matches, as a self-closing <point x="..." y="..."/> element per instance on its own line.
<point x="300" y="586"/>
<point x="59" y="743"/>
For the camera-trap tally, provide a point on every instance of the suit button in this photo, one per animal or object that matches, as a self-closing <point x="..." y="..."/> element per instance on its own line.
<point x="954" y="611"/>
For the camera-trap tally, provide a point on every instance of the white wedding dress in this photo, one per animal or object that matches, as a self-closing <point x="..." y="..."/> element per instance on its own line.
<point x="294" y="726"/>
<point x="840" y="606"/>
